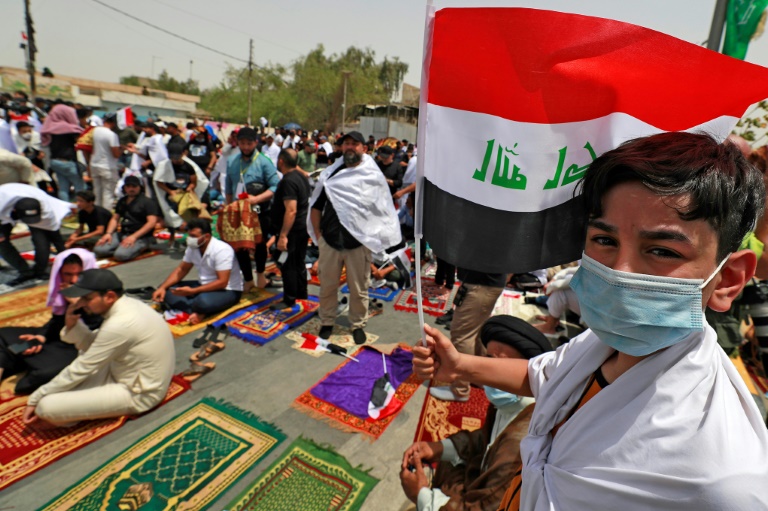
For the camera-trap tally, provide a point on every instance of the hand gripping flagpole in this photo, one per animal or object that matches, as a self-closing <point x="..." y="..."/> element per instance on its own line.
<point x="420" y="141"/>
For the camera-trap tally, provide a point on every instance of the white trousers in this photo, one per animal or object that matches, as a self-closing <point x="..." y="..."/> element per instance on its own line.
<point x="104" y="182"/>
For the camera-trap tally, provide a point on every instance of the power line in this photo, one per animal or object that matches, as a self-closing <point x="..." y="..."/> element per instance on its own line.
<point x="190" y="41"/>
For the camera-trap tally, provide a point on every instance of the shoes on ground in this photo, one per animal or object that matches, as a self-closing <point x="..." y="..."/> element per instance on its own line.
<point x="376" y="284"/>
<point x="446" y="394"/>
<point x="325" y="331"/>
<point x="358" y="334"/>
<point x="281" y="305"/>
<point x="445" y="318"/>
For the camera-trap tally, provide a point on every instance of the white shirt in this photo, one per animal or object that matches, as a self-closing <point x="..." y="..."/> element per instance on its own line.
<point x="53" y="210"/>
<point x="327" y="147"/>
<point x="104" y="139"/>
<point x="279" y="140"/>
<point x="218" y="256"/>
<point x="155" y="149"/>
<point x="272" y="152"/>
<point x="15" y="168"/>
<point x="290" y="142"/>
<point x="22" y="144"/>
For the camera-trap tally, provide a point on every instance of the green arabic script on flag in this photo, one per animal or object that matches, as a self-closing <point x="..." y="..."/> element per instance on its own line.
<point x="741" y="21"/>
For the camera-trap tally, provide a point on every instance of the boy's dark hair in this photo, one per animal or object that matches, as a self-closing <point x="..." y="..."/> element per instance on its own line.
<point x="86" y="195"/>
<point x="72" y="259"/>
<point x="199" y="223"/>
<point x="724" y="189"/>
<point x="190" y="125"/>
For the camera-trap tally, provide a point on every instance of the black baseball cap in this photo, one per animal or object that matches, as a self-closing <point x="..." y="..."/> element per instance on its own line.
<point x="93" y="280"/>
<point x="354" y="135"/>
<point x="132" y="181"/>
<point x="386" y="150"/>
<point x="247" y="133"/>
<point x="27" y="210"/>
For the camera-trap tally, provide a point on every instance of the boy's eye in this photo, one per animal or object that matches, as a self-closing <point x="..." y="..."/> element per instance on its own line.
<point x="663" y="252"/>
<point x="604" y="241"/>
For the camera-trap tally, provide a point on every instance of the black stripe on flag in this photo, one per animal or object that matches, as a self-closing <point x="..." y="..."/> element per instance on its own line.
<point x="484" y="239"/>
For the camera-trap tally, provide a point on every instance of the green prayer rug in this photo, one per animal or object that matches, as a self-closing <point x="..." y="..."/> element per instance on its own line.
<point x="185" y="464"/>
<point x="306" y="477"/>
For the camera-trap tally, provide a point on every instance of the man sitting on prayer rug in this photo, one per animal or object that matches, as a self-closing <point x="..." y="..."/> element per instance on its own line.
<point x="47" y="354"/>
<point x="560" y="298"/>
<point x="476" y="466"/>
<point x="644" y="410"/>
<point x="125" y="367"/>
<point x="220" y="285"/>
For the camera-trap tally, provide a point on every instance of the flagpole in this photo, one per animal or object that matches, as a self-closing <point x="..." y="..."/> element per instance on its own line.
<point x="718" y="22"/>
<point x="420" y="140"/>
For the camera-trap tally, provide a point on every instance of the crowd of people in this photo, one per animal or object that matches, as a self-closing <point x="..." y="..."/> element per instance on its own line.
<point x="631" y="413"/>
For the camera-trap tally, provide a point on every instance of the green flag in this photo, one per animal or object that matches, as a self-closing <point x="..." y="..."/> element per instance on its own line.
<point x="741" y="21"/>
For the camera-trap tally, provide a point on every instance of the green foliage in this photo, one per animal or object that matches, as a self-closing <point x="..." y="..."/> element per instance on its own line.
<point x="165" y="82"/>
<point x="310" y="91"/>
<point x="752" y="127"/>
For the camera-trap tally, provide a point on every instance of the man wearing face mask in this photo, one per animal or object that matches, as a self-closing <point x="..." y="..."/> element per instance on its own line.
<point x="351" y="216"/>
<point x="220" y="284"/>
<point x="633" y="414"/>
<point x="123" y="368"/>
<point x="475" y="467"/>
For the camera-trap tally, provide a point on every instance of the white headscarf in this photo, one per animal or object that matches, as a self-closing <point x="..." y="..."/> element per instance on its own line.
<point x="164" y="174"/>
<point x="360" y="195"/>
<point x="678" y="431"/>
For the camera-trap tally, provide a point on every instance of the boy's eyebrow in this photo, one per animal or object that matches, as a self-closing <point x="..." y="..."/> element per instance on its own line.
<point x="660" y="235"/>
<point x="599" y="224"/>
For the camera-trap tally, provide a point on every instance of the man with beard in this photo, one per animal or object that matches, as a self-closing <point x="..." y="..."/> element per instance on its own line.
<point x="391" y="168"/>
<point x="252" y="176"/>
<point x="137" y="216"/>
<point x="351" y="215"/>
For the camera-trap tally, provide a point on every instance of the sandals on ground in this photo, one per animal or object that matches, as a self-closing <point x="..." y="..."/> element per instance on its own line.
<point x="196" y="370"/>
<point x="207" y="350"/>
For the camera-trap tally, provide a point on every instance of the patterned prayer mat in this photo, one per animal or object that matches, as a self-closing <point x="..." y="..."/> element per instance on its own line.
<point x="342" y="336"/>
<point x="429" y="270"/>
<point x="185" y="464"/>
<point x="26" y="449"/>
<point x="315" y="280"/>
<point x="109" y="263"/>
<point x="257" y="296"/>
<point x="385" y="293"/>
<point x="259" y="324"/>
<point x="24" y="307"/>
<point x="341" y="397"/>
<point x="440" y="419"/>
<point x="306" y="477"/>
<point x="436" y="299"/>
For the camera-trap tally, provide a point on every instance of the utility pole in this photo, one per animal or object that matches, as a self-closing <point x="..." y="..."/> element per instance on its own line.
<point x="718" y="22"/>
<point x="344" y="103"/>
<point x="250" y="80"/>
<point x="190" y="69"/>
<point x="31" y="49"/>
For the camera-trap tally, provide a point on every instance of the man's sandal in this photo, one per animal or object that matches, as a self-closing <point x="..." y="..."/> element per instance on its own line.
<point x="206" y="351"/>
<point x="196" y="370"/>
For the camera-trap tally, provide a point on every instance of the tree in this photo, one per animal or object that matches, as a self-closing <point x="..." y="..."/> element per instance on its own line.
<point x="165" y="82"/>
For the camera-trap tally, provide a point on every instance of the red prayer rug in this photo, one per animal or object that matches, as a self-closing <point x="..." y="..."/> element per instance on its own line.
<point x="315" y="280"/>
<point x="346" y="421"/>
<point x="26" y="449"/>
<point x="440" y="419"/>
<point x="437" y="300"/>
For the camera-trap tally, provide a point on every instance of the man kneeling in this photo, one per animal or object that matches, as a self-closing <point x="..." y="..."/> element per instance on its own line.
<point x="124" y="367"/>
<point x="221" y="282"/>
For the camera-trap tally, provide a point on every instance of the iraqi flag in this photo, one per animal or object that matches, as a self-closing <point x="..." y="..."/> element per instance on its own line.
<point x="516" y="103"/>
<point x="124" y="117"/>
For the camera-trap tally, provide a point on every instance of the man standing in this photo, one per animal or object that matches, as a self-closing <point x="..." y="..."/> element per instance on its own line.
<point x="124" y="367"/>
<point x="252" y="175"/>
<point x="43" y="214"/>
<point x="103" y="168"/>
<point x="352" y="215"/>
<point x="271" y="149"/>
<point x="326" y="145"/>
<point x="391" y="168"/>
<point x="89" y="215"/>
<point x="202" y="151"/>
<point x="307" y="158"/>
<point x="137" y="216"/>
<point x="220" y="284"/>
<point x="289" y="218"/>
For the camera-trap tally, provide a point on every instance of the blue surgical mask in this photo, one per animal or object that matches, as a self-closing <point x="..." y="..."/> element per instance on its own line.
<point x="499" y="398"/>
<point x="638" y="314"/>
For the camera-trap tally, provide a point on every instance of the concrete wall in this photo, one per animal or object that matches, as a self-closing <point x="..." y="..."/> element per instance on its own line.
<point x="380" y="128"/>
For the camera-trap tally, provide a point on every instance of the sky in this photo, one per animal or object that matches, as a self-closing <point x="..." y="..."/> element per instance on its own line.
<point x="85" y="39"/>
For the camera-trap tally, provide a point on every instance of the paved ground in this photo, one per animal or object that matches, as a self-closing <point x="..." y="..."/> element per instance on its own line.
<point x="264" y="380"/>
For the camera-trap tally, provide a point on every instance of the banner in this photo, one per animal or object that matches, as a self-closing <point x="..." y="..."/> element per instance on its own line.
<point x="741" y="21"/>
<point x="516" y="103"/>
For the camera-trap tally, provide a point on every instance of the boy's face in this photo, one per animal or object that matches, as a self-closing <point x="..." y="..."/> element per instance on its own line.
<point x="639" y="232"/>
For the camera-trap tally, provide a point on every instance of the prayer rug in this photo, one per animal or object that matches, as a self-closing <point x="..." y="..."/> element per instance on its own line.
<point x="20" y="230"/>
<point x="440" y="419"/>
<point x="185" y="464"/>
<point x="272" y="268"/>
<point x="306" y="477"/>
<point x="342" y="336"/>
<point x="259" y="324"/>
<point x="20" y="308"/>
<point x="257" y="296"/>
<point x="108" y="263"/>
<point x="26" y="449"/>
<point x="341" y="398"/>
<point x="385" y="293"/>
<point x="315" y="280"/>
<point x="436" y="299"/>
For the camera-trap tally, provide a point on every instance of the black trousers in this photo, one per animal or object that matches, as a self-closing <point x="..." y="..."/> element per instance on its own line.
<point x="41" y="241"/>
<point x="260" y="254"/>
<point x="294" y="270"/>
<point x="41" y="367"/>
<point x="445" y="274"/>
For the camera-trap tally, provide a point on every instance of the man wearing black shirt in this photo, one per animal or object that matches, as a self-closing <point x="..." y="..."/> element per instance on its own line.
<point x="393" y="171"/>
<point x="95" y="218"/>
<point x="176" y="144"/>
<point x="202" y="151"/>
<point x="137" y="216"/>
<point x="289" y="218"/>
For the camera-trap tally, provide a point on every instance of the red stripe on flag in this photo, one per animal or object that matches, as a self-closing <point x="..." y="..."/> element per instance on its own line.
<point x="549" y="67"/>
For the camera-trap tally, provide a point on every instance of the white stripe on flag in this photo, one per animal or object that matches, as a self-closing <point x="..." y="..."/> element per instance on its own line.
<point x="550" y="158"/>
